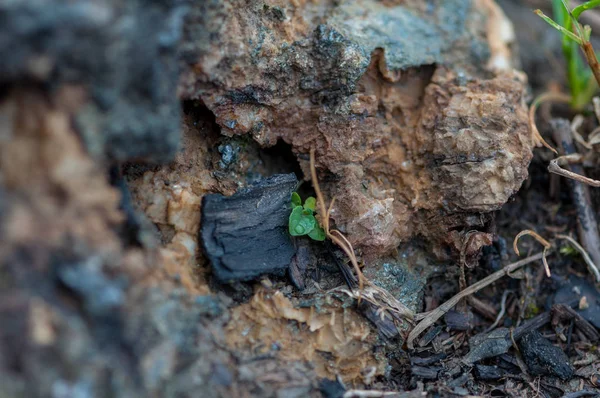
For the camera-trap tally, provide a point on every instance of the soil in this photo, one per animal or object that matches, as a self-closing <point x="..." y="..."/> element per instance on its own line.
<point x="136" y="145"/>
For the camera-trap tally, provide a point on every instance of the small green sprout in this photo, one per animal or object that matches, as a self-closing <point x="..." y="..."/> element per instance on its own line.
<point x="568" y="250"/>
<point x="579" y="76"/>
<point x="302" y="219"/>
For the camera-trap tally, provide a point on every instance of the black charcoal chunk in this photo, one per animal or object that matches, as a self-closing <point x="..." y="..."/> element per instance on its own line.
<point x="487" y="345"/>
<point x="382" y="321"/>
<point x="487" y="372"/>
<point x="424" y="372"/>
<point x="246" y="235"/>
<point x="543" y="358"/>
<point x="331" y="388"/>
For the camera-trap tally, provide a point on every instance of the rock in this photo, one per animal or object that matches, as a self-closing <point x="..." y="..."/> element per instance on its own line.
<point x="403" y="277"/>
<point x="123" y="59"/>
<point x="246" y="235"/>
<point x="83" y="313"/>
<point x="412" y="134"/>
<point x="543" y="358"/>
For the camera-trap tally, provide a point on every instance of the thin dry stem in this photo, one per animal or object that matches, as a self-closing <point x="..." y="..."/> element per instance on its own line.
<point x="376" y="295"/>
<point x="339" y="239"/>
<point x="575" y="125"/>
<point x="590" y="56"/>
<point x="545" y="97"/>
<point x="596" y="102"/>
<point x="555" y="167"/>
<point x="320" y="200"/>
<point x="436" y="314"/>
<point x="594" y="137"/>
<point x="328" y="215"/>
<point x="537" y="237"/>
<point x="342" y="242"/>
<point x="586" y="257"/>
<point x="501" y="313"/>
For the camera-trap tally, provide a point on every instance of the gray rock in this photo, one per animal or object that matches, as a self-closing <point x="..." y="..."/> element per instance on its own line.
<point x="124" y="54"/>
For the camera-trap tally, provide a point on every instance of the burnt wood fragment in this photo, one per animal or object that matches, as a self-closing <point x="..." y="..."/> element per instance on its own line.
<point x="487" y="372"/>
<point x="543" y="358"/>
<point x="246" y="235"/>
<point x="563" y="312"/>
<point x="382" y="320"/>
<point x="425" y="372"/>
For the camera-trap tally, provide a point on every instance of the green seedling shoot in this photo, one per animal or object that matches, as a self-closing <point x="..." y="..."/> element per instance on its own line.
<point x="302" y="218"/>
<point x="579" y="76"/>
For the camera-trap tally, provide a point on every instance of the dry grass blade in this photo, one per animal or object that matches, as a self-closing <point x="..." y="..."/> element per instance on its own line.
<point x="547" y="245"/>
<point x="336" y="236"/>
<point x="501" y="313"/>
<point x="376" y="295"/>
<point x="596" y="102"/>
<point x="594" y="137"/>
<point x="436" y="314"/>
<point x="586" y="257"/>
<point x="555" y="167"/>
<point x="367" y="291"/>
<point x="546" y="97"/>
<point x="575" y="125"/>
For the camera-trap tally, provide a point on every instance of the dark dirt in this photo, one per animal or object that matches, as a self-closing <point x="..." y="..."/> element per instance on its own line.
<point x="126" y="129"/>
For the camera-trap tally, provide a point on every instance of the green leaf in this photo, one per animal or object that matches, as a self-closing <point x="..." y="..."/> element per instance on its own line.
<point x="556" y="26"/>
<point x="299" y="223"/>
<point x="310" y="203"/>
<point x="568" y="250"/>
<point x="296" y="201"/>
<point x="588" y="5"/>
<point x="317" y="233"/>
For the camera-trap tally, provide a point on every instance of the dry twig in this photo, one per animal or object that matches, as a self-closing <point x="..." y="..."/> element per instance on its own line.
<point x="555" y="167"/>
<point x="436" y="314"/>
<point x="575" y="125"/>
<point x="368" y="291"/>
<point x="586" y="257"/>
<point x="546" y="97"/>
<point x="502" y="311"/>
<point x="537" y="237"/>
<point x="336" y="236"/>
<point x="580" y="193"/>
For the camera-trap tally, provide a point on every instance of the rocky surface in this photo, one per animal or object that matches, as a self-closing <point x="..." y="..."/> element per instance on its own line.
<point x="416" y="133"/>
<point x="85" y="314"/>
<point x="123" y="58"/>
<point x="408" y="119"/>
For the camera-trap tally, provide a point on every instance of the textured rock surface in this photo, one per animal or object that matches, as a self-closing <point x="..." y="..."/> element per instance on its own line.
<point x="410" y="129"/>
<point x="123" y="56"/>
<point x="406" y="121"/>
<point x="83" y="314"/>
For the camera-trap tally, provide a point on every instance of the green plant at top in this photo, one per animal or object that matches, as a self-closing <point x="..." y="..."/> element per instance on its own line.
<point x="302" y="219"/>
<point x="574" y="35"/>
